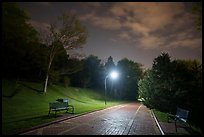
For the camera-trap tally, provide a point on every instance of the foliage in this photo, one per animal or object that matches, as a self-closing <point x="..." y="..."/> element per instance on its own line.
<point x="189" y="84"/>
<point x="109" y="65"/>
<point x="162" y="74"/>
<point x="130" y="73"/>
<point x="173" y="83"/>
<point x="93" y="73"/>
<point x="108" y="68"/>
<point x="146" y="89"/>
<point x="69" y="33"/>
<point x="197" y="11"/>
<point x="90" y="74"/>
<point x="23" y="56"/>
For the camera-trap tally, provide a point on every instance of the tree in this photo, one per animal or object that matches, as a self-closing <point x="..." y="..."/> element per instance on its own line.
<point x="20" y="43"/>
<point x="90" y="74"/>
<point x="59" y="65"/>
<point x="176" y="83"/>
<point x="146" y="87"/>
<point x="165" y="80"/>
<point x="188" y="76"/>
<point x="70" y="34"/>
<point x="130" y="73"/>
<point x="91" y="70"/>
<point x="109" y="66"/>
<point x="158" y="86"/>
<point x="197" y="11"/>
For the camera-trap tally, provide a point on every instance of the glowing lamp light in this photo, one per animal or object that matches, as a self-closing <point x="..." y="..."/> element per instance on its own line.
<point x="114" y="75"/>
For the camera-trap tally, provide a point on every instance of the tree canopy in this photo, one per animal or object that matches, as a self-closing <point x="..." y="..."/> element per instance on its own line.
<point x="69" y="34"/>
<point x="176" y="83"/>
<point x="130" y="73"/>
<point x="20" y="44"/>
<point x="197" y="11"/>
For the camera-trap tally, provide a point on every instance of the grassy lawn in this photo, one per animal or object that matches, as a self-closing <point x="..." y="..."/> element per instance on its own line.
<point x="24" y="105"/>
<point x="161" y="116"/>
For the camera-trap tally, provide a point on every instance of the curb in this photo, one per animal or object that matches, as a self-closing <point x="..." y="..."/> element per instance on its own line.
<point x="160" y="129"/>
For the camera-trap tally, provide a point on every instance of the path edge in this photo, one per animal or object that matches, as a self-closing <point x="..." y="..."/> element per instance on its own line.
<point x="160" y="129"/>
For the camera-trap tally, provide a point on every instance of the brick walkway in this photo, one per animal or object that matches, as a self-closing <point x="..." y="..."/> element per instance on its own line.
<point x="126" y="119"/>
<point x="169" y="129"/>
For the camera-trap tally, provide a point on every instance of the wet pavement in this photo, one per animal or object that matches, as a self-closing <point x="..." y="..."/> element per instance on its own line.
<point x="125" y="119"/>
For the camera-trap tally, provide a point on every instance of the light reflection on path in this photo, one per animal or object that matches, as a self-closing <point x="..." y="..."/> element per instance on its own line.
<point x="131" y="118"/>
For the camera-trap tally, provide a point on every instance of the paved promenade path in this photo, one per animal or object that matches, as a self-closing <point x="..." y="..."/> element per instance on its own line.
<point x="125" y="119"/>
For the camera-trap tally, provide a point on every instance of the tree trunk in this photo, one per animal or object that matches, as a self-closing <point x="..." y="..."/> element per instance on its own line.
<point x="46" y="81"/>
<point x="47" y="77"/>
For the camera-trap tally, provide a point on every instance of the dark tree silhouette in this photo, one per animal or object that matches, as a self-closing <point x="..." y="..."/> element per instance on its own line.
<point x="71" y="35"/>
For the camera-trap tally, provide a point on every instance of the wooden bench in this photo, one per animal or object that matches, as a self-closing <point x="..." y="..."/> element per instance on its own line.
<point x="60" y="104"/>
<point x="181" y="115"/>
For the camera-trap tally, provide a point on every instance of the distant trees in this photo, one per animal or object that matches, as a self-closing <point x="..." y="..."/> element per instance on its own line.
<point x="90" y="74"/>
<point x="94" y="70"/>
<point x="109" y="67"/>
<point x="93" y="73"/>
<point x="173" y="83"/>
<point x="130" y="73"/>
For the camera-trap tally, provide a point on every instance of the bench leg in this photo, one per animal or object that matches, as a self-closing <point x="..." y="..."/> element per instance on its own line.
<point x="169" y="118"/>
<point x="71" y="107"/>
<point x="189" y="126"/>
<point x="67" y="110"/>
<point x="73" y="110"/>
<point x="175" y="125"/>
<point x="49" y="112"/>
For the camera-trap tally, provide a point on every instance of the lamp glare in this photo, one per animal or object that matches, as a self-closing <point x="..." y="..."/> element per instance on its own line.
<point x="114" y="75"/>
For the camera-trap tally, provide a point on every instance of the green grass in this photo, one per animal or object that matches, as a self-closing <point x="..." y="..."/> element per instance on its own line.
<point x="24" y="106"/>
<point x="161" y="116"/>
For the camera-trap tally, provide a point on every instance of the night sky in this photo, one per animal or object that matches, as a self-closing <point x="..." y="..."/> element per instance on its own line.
<point x="139" y="31"/>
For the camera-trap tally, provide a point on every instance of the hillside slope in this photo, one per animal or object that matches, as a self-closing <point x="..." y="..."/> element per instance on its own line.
<point x="24" y="105"/>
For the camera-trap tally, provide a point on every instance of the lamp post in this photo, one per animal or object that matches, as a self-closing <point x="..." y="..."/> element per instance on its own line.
<point x="113" y="75"/>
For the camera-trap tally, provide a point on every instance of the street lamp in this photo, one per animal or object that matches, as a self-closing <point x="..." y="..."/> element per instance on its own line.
<point x="113" y="75"/>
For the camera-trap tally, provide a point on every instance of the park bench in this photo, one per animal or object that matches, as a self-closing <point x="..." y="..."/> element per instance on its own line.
<point x="60" y="104"/>
<point x="181" y="115"/>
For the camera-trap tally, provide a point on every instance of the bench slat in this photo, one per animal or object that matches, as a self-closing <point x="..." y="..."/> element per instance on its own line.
<point x="62" y="104"/>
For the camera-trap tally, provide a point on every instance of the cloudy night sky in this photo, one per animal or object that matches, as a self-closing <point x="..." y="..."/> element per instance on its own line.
<point x="139" y="31"/>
